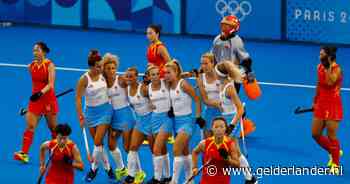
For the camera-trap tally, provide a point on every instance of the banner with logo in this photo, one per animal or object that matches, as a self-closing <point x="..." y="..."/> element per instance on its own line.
<point x="259" y="18"/>
<point x="136" y="14"/>
<point x="319" y="21"/>
<point x="57" y="12"/>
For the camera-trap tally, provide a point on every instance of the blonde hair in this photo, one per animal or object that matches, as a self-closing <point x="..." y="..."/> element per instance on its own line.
<point x="133" y="69"/>
<point x="175" y="65"/>
<point x="109" y="58"/>
<point x="210" y="56"/>
<point x="230" y="70"/>
<point x="151" y="67"/>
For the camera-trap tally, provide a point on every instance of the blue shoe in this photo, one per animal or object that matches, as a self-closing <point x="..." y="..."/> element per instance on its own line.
<point x="111" y="174"/>
<point x="91" y="175"/>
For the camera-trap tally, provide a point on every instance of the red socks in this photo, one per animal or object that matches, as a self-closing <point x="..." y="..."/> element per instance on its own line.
<point x="27" y="141"/>
<point x="324" y="142"/>
<point x="331" y="146"/>
<point x="334" y="150"/>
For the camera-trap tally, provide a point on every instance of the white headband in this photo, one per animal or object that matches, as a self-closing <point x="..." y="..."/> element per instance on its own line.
<point x="220" y="74"/>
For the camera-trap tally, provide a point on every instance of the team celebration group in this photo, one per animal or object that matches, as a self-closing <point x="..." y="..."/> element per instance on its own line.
<point x="159" y="108"/>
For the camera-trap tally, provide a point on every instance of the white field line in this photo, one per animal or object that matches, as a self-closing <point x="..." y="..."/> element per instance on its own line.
<point x="141" y="74"/>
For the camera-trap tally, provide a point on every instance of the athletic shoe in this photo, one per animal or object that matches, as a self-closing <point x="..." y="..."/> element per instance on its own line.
<point x="129" y="179"/>
<point x="139" y="177"/>
<point x="120" y="173"/>
<point x="91" y="175"/>
<point x="330" y="162"/>
<point x="20" y="156"/>
<point x="111" y="174"/>
<point x="154" y="181"/>
<point x="166" y="180"/>
<point x="145" y="142"/>
<point x="335" y="170"/>
<point x="252" y="181"/>
<point x="171" y="140"/>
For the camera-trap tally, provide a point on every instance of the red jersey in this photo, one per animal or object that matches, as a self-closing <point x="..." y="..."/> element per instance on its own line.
<point x="40" y="78"/>
<point x="156" y="59"/>
<point x="211" y="152"/>
<point x="328" y="105"/>
<point x="40" y="75"/>
<point x="60" y="172"/>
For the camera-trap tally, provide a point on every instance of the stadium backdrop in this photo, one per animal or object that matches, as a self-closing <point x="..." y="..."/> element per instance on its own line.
<point x="294" y="20"/>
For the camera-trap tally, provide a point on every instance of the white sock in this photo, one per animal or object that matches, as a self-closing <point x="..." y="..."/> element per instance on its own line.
<point x="117" y="156"/>
<point x="138" y="165"/>
<point x="105" y="160"/>
<point x="188" y="166"/>
<point x="132" y="163"/>
<point x="177" y="167"/>
<point x="244" y="163"/>
<point x="166" y="167"/>
<point x="158" y="167"/>
<point x="96" y="157"/>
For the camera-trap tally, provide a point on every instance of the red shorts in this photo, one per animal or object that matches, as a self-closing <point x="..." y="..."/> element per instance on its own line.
<point x="329" y="109"/>
<point x="219" y="178"/>
<point x="44" y="106"/>
<point x="60" y="178"/>
<point x="215" y="179"/>
<point x="59" y="175"/>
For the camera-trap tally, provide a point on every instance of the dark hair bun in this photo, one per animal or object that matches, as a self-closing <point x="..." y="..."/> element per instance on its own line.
<point x="93" y="57"/>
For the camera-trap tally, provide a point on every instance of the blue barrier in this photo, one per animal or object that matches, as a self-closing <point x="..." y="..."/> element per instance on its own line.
<point x="318" y="21"/>
<point x="259" y="19"/>
<point x="49" y="12"/>
<point x="135" y="15"/>
<point x="295" y="20"/>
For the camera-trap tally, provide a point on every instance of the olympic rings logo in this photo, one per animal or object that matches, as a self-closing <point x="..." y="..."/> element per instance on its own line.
<point x="233" y="7"/>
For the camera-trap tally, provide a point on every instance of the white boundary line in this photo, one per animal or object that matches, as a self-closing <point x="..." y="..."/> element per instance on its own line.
<point x="84" y="70"/>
